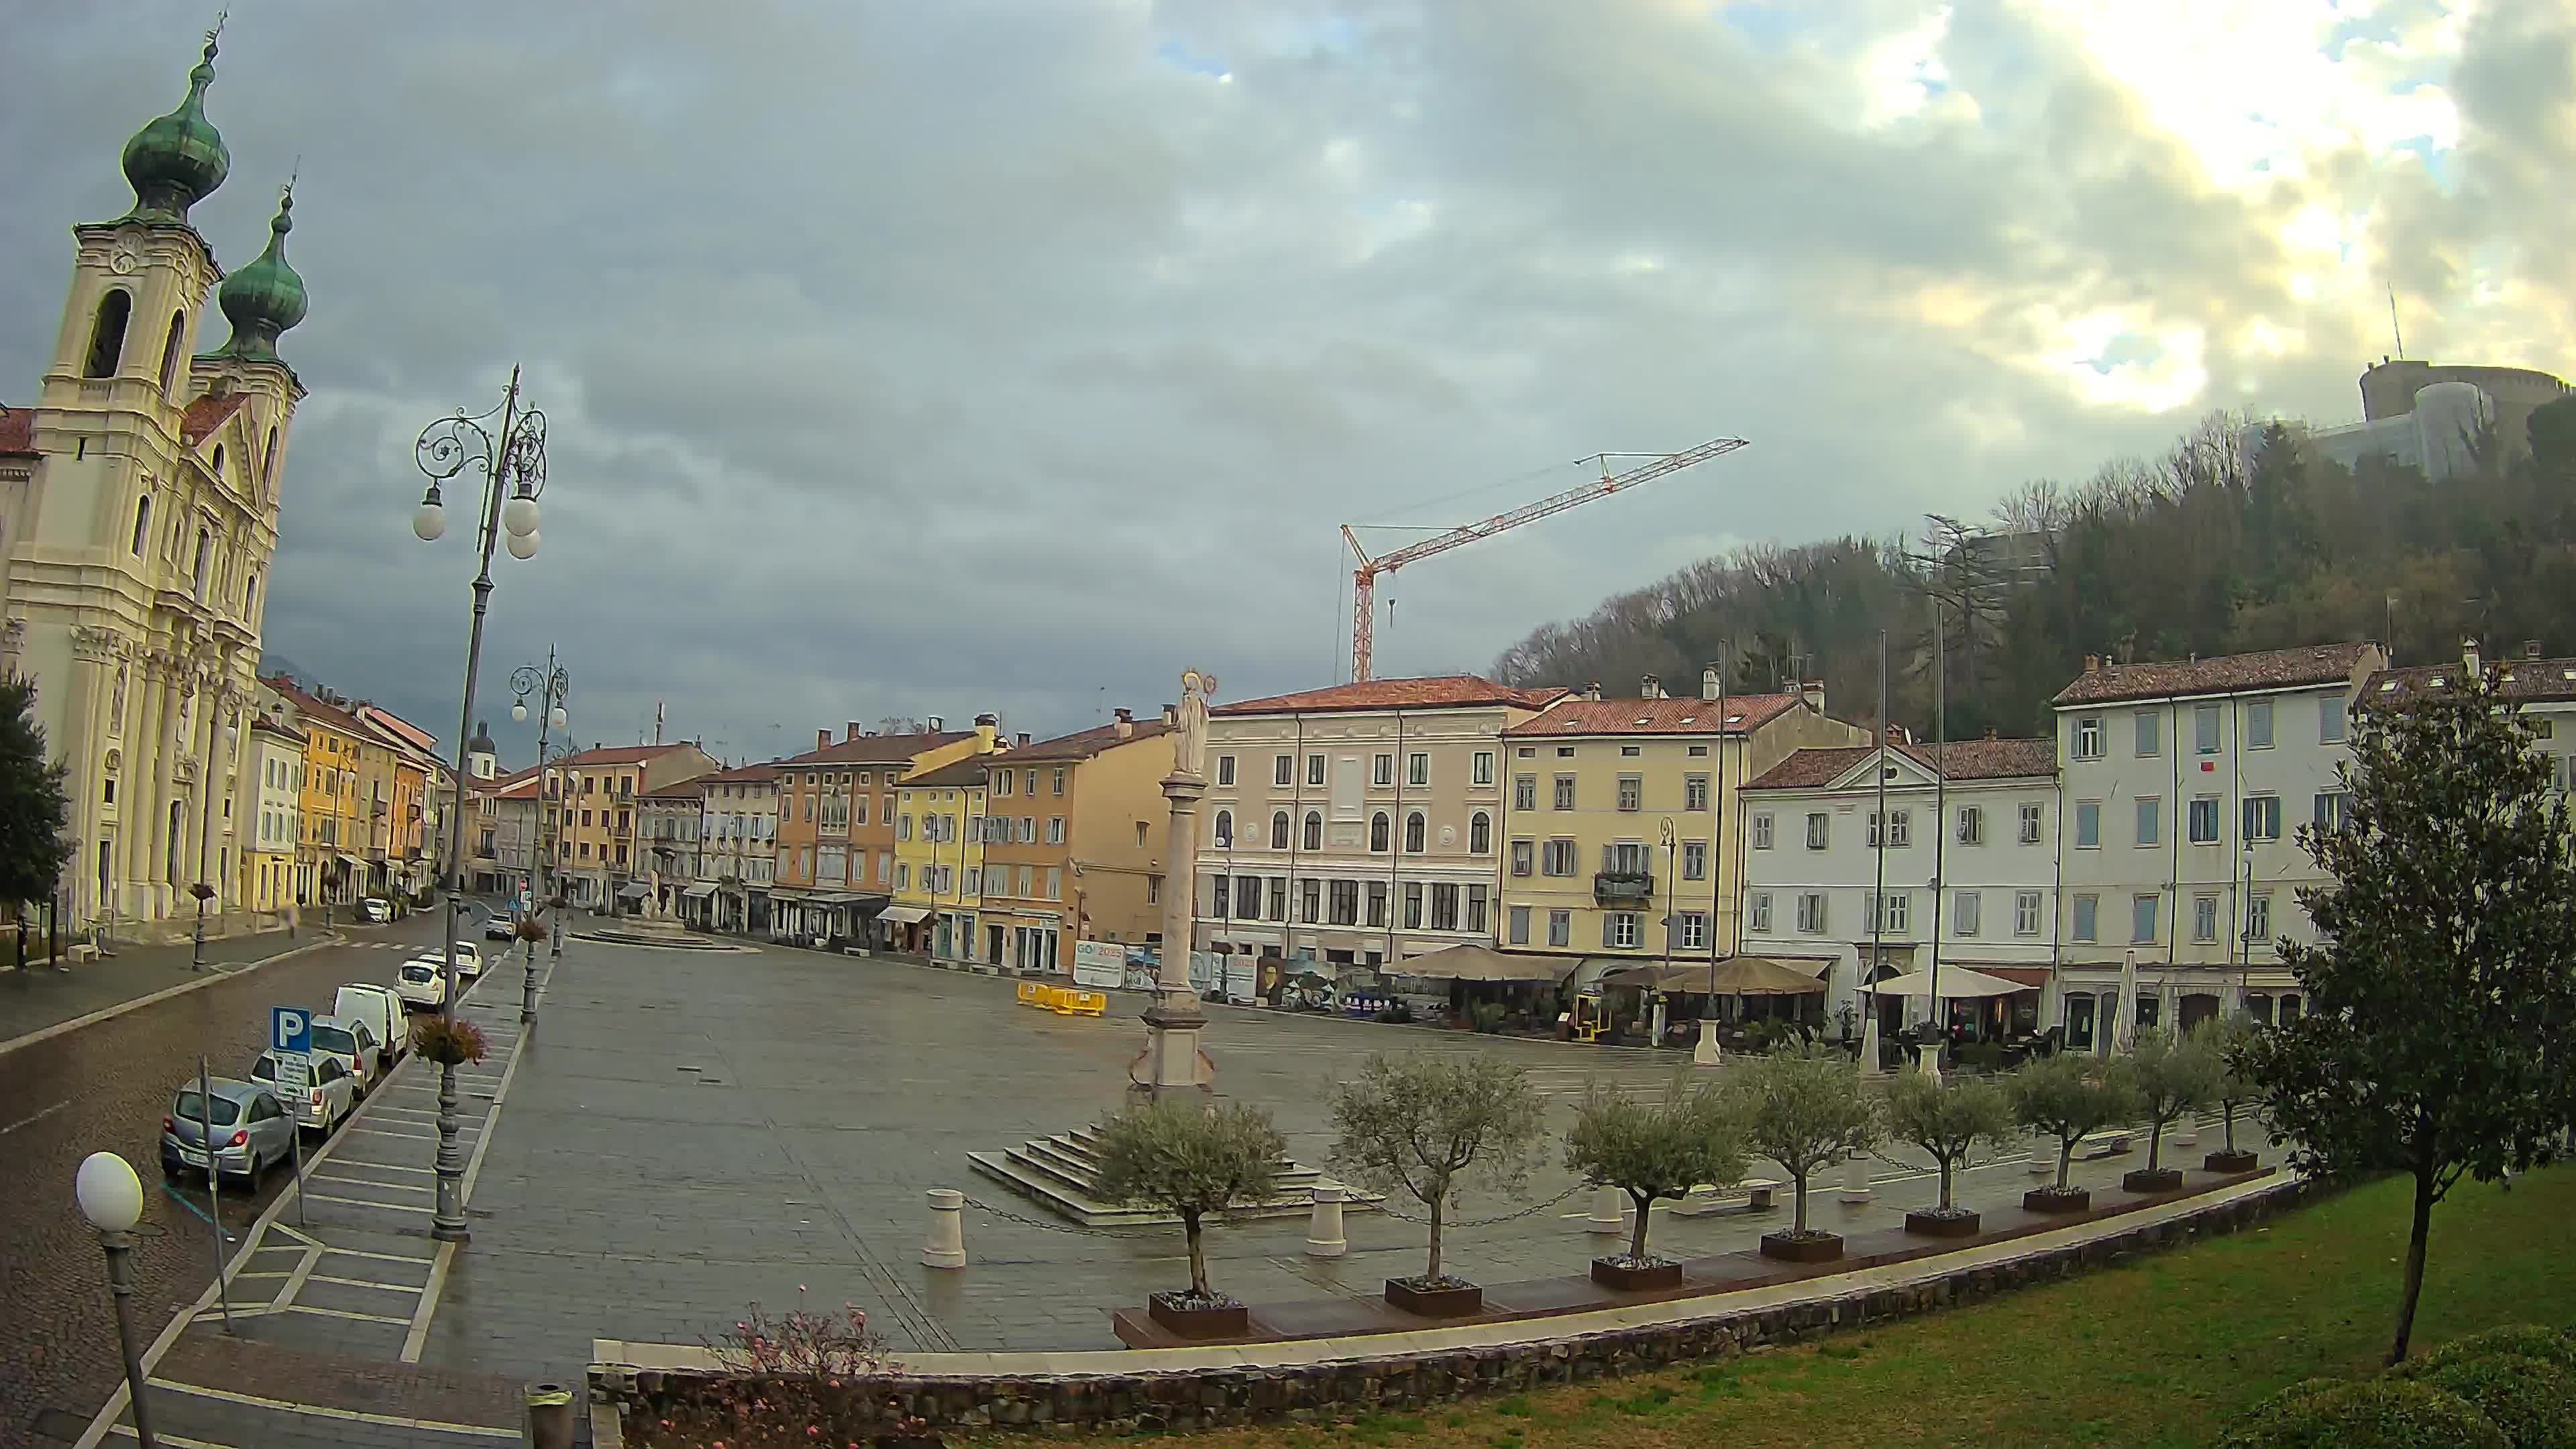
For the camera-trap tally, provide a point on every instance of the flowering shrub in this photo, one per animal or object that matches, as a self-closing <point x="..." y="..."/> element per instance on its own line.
<point x="800" y="1377"/>
<point x="530" y="927"/>
<point x="447" y="1040"/>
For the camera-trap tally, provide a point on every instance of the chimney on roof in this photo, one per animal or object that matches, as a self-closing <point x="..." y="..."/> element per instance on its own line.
<point x="1708" y="687"/>
<point x="850" y="731"/>
<point x="2092" y="663"/>
<point x="988" y="727"/>
<point x="822" y="738"/>
<point x="1650" y="687"/>
<point x="2469" y="656"/>
<point x="1813" y="692"/>
<point x="2530" y="648"/>
<point x="1171" y="714"/>
<point x="1126" y="725"/>
<point x="1021" y="739"/>
<point x="935" y="724"/>
<point x="1592" y="691"/>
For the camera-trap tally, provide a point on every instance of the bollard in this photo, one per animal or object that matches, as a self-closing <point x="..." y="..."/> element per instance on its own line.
<point x="1324" y="1227"/>
<point x="2186" y="1131"/>
<point x="947" y="1245"/>
<point x="1856" y="1179"/>
<point x="1609" y="1212"/>
<point x="1930" y="1061"/>
<point x="549" y="1416"/>
<point x="2043" y="1154"/>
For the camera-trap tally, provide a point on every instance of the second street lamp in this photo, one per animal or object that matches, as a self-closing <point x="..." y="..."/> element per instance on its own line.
<point x="513" y="464"/>
<point x="550" y="686"/>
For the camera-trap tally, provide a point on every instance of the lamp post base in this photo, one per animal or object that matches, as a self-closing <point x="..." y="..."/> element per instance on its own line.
<point x="1172" y="1059"/>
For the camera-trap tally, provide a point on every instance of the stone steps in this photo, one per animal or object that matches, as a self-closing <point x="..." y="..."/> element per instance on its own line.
<point x="1062" y="1173"/>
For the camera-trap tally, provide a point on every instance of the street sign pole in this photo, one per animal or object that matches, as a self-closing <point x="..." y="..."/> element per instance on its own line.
<point x="290" y="1044"/>
<point x="214" y="1185"/>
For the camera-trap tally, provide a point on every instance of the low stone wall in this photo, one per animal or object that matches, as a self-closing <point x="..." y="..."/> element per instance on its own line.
<point x="1206" y="1398"/>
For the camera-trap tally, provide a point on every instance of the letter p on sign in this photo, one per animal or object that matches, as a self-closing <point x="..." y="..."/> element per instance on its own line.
<point x="290" y="1029"/>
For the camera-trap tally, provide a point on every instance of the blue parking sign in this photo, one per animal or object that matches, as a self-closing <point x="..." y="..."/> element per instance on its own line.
<point x="290" y="1029"/>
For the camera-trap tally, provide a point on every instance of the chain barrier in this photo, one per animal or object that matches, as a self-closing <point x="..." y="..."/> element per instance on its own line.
<point x="1537" y="1207"/>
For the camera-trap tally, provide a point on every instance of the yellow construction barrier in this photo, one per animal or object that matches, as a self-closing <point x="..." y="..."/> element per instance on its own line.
<point x="1063" y="1000"/>
<point x="1029" y="993"/>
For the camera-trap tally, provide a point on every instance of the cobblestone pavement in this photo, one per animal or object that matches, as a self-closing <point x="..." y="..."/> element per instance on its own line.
<point x="39" y="996"/>
<point x="106" y="1085"/>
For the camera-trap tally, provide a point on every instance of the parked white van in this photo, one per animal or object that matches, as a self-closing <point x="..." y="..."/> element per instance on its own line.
<point x="382" y="1011"/>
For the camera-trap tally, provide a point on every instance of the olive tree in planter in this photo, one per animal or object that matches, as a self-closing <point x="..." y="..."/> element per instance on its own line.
<point x="1947" y="1122"/>
<point x="1802" y="1106"/>
<point x="1652" y="1150"/>
<point x="1427" y="1126"/>
<point x="1187" y="1158"/>
<point x="2171" y="1074"/>
<point x="2226" y="1040"/>
<point x="2068" y="1096"/>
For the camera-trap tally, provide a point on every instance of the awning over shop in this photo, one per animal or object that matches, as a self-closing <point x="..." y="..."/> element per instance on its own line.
<point x="1477" y="963"/>
<point x="1957" y="982"/>
<point x="351" y="861"/>
<point x="904" y="915"/>
<point x="700" y="891"/>
<point x="2031" y="978"/>
<point x="1762" y="976"/>
<point x="633" y="891"/>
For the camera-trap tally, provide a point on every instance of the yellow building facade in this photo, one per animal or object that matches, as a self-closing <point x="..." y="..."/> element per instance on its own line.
<point x="1621" y="836"/>
<point x="939" y="857"/>
<point x="330" y="864"/>
<point x="1073" y="841"/>
<point x="270" y="815"/>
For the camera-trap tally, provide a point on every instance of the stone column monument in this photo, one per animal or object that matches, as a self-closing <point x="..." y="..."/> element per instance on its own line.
<point x="1172" y="1058"/>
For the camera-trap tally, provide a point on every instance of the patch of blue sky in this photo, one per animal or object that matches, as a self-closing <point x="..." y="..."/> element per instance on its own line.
<point x="2128" y="349"/>
<point x="2437" y="161"/>
<point x="1174" y="53"/>
<point x="1767" y="24"/>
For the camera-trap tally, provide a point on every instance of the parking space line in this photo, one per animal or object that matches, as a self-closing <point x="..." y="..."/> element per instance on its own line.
<point x="174" y="1440"/>
<point x="387" y="1206"/>
<point x="339" y="1161"/>
<point x="380" y="1257"/>
<point x="422" y="1311"/>
<point x="325" y="1411"/>
<point x="340" y="1313"/>
<point x="365" y="1283"/>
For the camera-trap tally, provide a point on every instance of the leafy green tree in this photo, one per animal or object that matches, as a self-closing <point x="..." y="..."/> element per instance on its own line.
<point x="2226" y="1039"/>
<point x="1803" y="1108"/>
<point x="35" y="845"/>
<point x="2171" y="1074"/>
<point x="1427" y="1125"/>
<point x="1178" y="1154"/>
<point x="2437" y="1039"/>
<point x="2068" y="1096"/>
<point x="1947" y="1122"/>
<point x="1652" y="1150"/>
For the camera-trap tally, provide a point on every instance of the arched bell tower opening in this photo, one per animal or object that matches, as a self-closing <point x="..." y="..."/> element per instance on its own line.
<point x="107" y="333"/>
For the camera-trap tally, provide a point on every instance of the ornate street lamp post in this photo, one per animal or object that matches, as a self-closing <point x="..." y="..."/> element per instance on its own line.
<point x="550" y="685"/>
<point x="111" y="1197"/>
<point x="513" y="464"/>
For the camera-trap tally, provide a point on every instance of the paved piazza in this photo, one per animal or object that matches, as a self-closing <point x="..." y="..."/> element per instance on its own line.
<point x="684" y="1133"/>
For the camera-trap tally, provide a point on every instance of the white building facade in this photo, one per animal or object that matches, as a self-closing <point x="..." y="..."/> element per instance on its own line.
<point x="1964" y="872"/>
<point x="1291" y="860"/>
<point x="737" y="858"/>
<point x="2184" y="785"/>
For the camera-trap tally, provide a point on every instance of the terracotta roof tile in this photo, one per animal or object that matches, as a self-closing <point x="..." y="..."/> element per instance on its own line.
<point x="307" y="704"/>
<point x="18" y="432"/>
<point x="207" y="414"/>
<point x="760" y="774"/>
<point x="2225" y="674"/>
<point x="1733" y="715"/>
<point x="1815" y="767"/>
<point x="973" y="770"/>
<point x="619" y="755"/>
<point x="694" y="788"/>
<point x="1083" y="744"/>
<point x="876" y="749"/>
<point x="1441" y="691"/>
<point x="2526" y="680"/>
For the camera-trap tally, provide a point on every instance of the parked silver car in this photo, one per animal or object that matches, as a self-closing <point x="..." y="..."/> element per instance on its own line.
<point x="352" y="1043"/>
<point x="253" y="1133"/>
<point x="331" y="1095"/>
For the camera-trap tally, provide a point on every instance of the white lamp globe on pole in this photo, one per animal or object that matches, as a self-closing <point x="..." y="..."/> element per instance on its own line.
<point x="519" y="712"/>
<point x="519" y="516"/>
<point x="110" y="1195"/>
<point x="429" y="520"/>
<point x="557" y="717"/>
<point x="523" y="545"/>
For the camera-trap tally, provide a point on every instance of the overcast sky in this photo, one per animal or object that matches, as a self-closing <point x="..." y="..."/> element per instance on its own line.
<point x="935" y="358"/>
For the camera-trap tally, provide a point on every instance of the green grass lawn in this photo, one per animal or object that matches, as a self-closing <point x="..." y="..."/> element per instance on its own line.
<point x="2159" y="1352"/>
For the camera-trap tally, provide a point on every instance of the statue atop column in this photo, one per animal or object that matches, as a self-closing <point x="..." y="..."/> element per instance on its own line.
<point x="1189" y="739"/>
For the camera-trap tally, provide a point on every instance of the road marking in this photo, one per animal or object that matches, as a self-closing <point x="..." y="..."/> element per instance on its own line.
<point x="324" y="1411"/>
<point x="427" y="1307"/>
<point x="365" y="1283"/>
<point x="386" y="1166"/>
<point x="338" y="1313"/>
<point x="171" y="1439"/>
<point x="36" y="1117"/>
<point x="362" y="1202"/>
<point x="380" y="1257"/>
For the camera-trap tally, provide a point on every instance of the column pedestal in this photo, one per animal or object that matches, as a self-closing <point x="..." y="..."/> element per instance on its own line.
<point x="1706" y="1053"/>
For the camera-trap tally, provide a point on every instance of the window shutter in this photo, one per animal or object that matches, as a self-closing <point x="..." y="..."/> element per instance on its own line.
<point x="1605" y="929"/>
<point x="1672" y="930"/>
<point x="1608" y="858"/>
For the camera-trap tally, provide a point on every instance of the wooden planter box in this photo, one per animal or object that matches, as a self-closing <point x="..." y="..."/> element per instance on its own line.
<point x="1934" y="1225"/>
<point x="2152" y="1179"/>
<point x="1434" y="1302"/>
<point x="1228" y="1320"/>
<point x="1611" y="1274"/>
<point x="2230" y="1162"/>
<point x="2050" y="1200"/>
<point x="1822" y="1249"/>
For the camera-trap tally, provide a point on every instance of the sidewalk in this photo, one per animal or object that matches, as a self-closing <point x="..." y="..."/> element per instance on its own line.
<point x="40" y="996"/>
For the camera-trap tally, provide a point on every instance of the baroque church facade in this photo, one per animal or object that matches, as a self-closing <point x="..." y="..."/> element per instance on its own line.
<point x="139" y="498"/>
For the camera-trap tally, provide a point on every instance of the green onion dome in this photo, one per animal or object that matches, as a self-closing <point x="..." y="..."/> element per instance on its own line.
<point x="179" y="159"/>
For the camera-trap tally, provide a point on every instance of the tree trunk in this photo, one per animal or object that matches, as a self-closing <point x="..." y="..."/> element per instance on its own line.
<point x="2065" y="1160"/>
<point x="1800" y="1181"/>
<point x="2155" y="1144"/>
<point x="1436" y="1204"/>
<point x="1945" y="1184"/>
<point x="1198" y="1252"/>
<point x="1637" y="1239"/>
<point x="2417" y="1234"/>
<point x="2227" y="1123"/>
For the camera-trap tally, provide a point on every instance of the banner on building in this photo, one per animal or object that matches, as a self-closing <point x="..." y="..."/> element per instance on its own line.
<point x="1099" y="965"/>
<point x="1242" y="976"/>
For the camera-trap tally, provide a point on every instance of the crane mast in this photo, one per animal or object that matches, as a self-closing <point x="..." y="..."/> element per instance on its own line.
<point x="1364" y="577"/>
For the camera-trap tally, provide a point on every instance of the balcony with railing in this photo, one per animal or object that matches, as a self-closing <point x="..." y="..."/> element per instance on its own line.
<point x="1623" y="887"/>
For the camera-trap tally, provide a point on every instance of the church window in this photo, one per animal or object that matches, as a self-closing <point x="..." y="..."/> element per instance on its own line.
<point x="170" y="351"/>
<point x="107" y="335"/>
<point x="219" y="462"/>
<point x="142" y="522"/>
<point x="250" y="594"/>
<point x="205" y="556"/>
<point x="268" y="459"/>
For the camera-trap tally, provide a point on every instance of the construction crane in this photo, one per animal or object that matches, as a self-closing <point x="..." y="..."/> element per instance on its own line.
<point x="1364" y="578"/>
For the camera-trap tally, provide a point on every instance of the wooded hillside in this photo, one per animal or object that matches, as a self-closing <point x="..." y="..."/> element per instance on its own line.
<point x="2209" y="549"/>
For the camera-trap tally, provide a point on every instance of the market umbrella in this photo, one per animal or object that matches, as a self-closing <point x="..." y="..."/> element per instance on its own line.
<point x="1758" y="976"/>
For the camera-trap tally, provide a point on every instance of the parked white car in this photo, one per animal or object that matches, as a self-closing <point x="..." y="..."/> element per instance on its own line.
<point x="330" y="1096"/>
<point x="352" y="1043"/>
<point x="422" y="983"/>
<point x="469" y="961"/>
